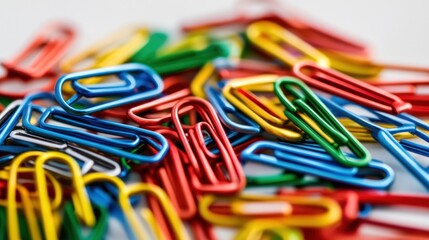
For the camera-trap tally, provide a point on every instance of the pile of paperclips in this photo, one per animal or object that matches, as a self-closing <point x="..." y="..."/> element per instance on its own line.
<point x="156" y="134"/>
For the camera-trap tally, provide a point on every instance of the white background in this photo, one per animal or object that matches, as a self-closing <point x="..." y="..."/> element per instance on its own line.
<point x="397" y="31"/>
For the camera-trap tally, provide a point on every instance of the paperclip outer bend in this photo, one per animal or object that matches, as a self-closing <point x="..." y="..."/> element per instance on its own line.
<point x="176" y="223"/>
<point x="258" y="31"/>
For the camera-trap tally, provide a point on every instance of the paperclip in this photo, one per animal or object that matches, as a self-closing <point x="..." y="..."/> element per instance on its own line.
<point x="173" y="219"/>
<point x="206" y="72"/>
<point x="271" y="122"/>
<point x="313" y="160"/>
<point x="111" y="146"/>
<point x="364" y="135"/>
<point x="133" y="75"/>
<point x="410" y="94"/>
<point x="208" y="170"/>
<point x="314" y="118"/>
<point x="189" y="59"/>
<point x="113" y="50"/>
<point x="256" y="229"/>
<point x="270" y="37"/>
<point x="49" y="45"/>
<point x="54" y="187"/>
<point x="148" y="114"/>
<point x="347" y="199"/>
<point x="149" y="50"/>
<point x="338" y="84"/>
<point x="385" y="136"/>
<point x="91" y="160"/>
<point x="354" y="65"/>
<point x="235" y="215"/>
<point x="172" y="177"/>
<point x="12" y="213"/>
<point x="86" y="212"/>
<point x="351" y="229"/>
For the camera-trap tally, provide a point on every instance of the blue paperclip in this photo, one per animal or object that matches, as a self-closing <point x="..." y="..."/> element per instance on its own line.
<point x="225" y="110"/>
<point x="251" y="153"/>
<point x="385" y="135"/>
<point x="157" y="141"/>
<point x="294" y="154"/>
<point x="121" y="142"/>
<point x="132" y="75"/>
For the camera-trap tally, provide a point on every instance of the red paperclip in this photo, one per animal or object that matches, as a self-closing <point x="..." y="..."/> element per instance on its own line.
<point x="315" y="35"/>
<point x="154" y="113"/>
<point x="209" y="173"/>
<point x="246" y="68"/>
<point x="393" y="199"/>
<point x="336" y="83"/>
<point x="172" y="177"/>
<point x="408" y="91"/>
<point x="48" y="47"/>
<point x="202" y="230"/>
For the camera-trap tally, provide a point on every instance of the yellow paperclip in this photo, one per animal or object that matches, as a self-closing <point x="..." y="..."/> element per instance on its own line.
<point x="202" y="77"/>
<point x="271" y="38"/>
<point x="208" y="71"/>
<point x="255" y="230"/>
<point x="331" y="215"/>
<point x="191" y="41"/>
<point x="112" y="50"/>
<point x="364" y="135"/>
<point x="82" y="202"/>
<point x="29" y="213"/>
<point x="357" y="66"/>
<point x="174" y="220"/>
<point x="56" y="186"/>
<point x="12" y="213"/>
<point x="275" y="125"/>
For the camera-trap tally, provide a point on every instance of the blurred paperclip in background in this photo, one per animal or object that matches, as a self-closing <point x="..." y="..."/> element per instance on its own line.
<point x="211" y="120"/>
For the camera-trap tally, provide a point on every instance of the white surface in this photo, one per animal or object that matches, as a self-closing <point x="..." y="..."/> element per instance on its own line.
<point x="397" y="31"/>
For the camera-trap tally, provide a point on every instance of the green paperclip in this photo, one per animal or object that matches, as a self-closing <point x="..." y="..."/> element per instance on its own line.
<point x="154" y="43"/>
<point x="286" y="180"/>
<point x="271" y="180"/>
<point x="23" y="228"/>
<point x="5" y="101"/>
<point x="72" y="229"/>
<point x="307" y="112"/>
<point x="189" y="59"/>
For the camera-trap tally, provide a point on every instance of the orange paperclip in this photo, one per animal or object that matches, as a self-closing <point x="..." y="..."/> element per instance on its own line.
<point x="49" y="45"/>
